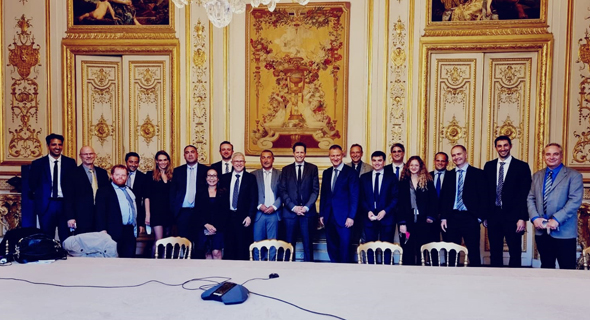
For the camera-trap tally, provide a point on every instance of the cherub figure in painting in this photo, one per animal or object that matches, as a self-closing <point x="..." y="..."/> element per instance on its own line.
<point x="100" y="12"/>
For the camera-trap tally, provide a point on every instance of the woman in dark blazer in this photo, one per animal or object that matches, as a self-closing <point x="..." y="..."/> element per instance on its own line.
<point x="157" y="200"/>
<point x="417" y="209"/>
<point x="213" y="216"/>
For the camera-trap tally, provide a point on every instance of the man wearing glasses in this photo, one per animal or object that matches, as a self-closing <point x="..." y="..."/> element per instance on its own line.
<point x="397" y="154"/>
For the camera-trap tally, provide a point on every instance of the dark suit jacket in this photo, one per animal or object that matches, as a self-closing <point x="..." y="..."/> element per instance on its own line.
<point x="79" y="199"/>
<point x="309" y="189"/>
<point x="426" y="201"/>
<point x="474" y="193"/>
<point x="433" y="175"/>
<point x="388" y="198"/>
<point x="389" y="169"/>
<point x="343" y="201"/>
<point x="248" y="197"/>
<point x="40" y="181"/>
<point x="220" y="171"/>
<point x="139" y="187"/>
<point x="215" y="213"/>
<point x="178" y="186"/>
<point x="514" y="190"/>
<point x="108" y="212"/>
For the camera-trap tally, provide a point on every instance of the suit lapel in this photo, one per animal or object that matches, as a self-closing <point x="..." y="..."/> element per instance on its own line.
<point x="560" y="176"/>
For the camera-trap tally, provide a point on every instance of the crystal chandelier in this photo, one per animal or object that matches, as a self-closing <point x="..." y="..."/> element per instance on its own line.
<point x="220" y="12"/>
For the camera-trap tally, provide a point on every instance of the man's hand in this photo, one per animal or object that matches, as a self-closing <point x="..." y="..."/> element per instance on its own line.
<point x="141" y="229"/>
<point x="485" y="223"/>
<point x="268" y="210"/>
<point x="72" y="223"/>
<point x="403" y="228"/>
<point x="349" y="222"/>
<point x="381" y="214"/>
<point x="247" y="222"/>
<point x="322" y="221"/>
<point x="263" y="208"/>
<point x="428" y="220"/>
<point x="552" y="224"/>
<point x="520" y="226"/>
<point x="538" y="223"/>
<point x="371" y="216"/>
<point x="443" y="225"/>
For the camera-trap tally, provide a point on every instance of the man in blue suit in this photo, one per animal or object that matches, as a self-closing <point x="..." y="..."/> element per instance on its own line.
<point x="338" y="205"/>
<point x="46" y="181"/>
<point x="553" y="202"/>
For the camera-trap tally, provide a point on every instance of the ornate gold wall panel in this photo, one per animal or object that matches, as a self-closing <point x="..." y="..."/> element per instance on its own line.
<point x="577" y="100"/>
<point x="100" y="103"/>
<point x="200" y="89"/>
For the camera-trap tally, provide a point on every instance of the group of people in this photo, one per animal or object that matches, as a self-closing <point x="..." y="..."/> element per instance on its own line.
<point x="223" y="208"/>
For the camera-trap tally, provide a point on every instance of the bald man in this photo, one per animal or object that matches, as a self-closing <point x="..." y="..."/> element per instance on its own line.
<point x="82" y="184"/>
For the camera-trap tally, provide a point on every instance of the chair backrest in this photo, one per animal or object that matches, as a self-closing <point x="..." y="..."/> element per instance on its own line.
<point x="585" y="254"/>
<point x="183" y="244"/>
<point x="363" y="252"/>
<point x="272" y="249"/>
<point x="446" y="246"/>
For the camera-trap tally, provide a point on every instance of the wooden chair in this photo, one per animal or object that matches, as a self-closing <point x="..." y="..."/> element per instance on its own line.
<point x="362" y="252"/>
<point x="448" y="247"/>
<point x="585" y="254"/>
<point x="280" y="249"/>
<point x="183" y="244"/>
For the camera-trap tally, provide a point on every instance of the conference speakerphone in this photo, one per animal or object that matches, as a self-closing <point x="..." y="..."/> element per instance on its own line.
<point x="226" y="292"/>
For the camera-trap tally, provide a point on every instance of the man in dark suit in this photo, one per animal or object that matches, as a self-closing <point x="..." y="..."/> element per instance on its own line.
<point x="441" y="161"/>
<point x="299" y="188"/>
<point x="509" y="182"/>
<point x="398" y="151"/>
<point x="116" y="212"/>
<point x="267" y="219"/>
<point x="226" y="150"/>
<point x="338" y="204"/>
<point x="462" y="204"/>
<point x="378" y="200"/>
<point x="553" y="202"/>
<point x="189" y="179"/>
<point x="46" y="182"/>
<point x="356" y="157"/>
<point x="137" y="181"/>
<point x="82" y="184"/>
<point x="243" y="198"/>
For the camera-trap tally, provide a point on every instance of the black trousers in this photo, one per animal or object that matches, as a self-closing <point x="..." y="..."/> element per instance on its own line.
<point x="462" y="224"/>
<point x="54" y="217"/>
<point x="551" y="249"/>
<point x="498" y="229"/>
<point x="237" y="238"/>
<point x="127" y="243"/>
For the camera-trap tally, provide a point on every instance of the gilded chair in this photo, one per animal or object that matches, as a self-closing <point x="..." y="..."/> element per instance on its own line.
<point x="271" y="250"/>
<point x="378" y="249"/>
<point x="585" y="255"/>
<point x="446" y="246"/>
<point x="181" y="248"/>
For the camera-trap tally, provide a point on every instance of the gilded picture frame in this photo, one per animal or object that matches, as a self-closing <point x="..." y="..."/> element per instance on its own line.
<point x="485" y="17"/>
<point x="147" y="19"/>
<point x="297" y="77"/>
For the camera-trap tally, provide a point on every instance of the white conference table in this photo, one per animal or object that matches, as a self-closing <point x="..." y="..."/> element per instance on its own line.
<point x="349" y="291"/>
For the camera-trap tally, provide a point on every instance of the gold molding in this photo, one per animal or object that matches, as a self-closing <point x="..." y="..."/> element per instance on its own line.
<point x="541" y="44"/>
<point x="368" y="107"/>
<point x="71" y="48"/>
<point x="568" y="78"/>
<point x="199" y="89"/>
<point x="10" y="212"/>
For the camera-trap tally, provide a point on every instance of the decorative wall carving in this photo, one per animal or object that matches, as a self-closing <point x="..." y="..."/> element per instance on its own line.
<point x="581" y="148"/>
<point x="200" y="97"/>
<point x="24" y="57"/>
<point x="397" y="83"/>
<point x="10" y="212"/>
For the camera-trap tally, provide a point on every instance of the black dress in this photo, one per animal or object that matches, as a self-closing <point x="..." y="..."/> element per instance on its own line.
<point x="213" y="211"/>
<point x="159" y="194"/>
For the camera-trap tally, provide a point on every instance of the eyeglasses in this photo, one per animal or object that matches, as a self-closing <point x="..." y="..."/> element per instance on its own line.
<point x="238" y="161"/>
<point x="211" y="176"/>
<point x="87" y="154"/>
<point x="396" y="151"/>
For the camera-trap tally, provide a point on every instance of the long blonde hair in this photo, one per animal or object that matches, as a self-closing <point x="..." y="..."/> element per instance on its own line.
<point x="156" y="173"/>
<point x="423" y="175"/>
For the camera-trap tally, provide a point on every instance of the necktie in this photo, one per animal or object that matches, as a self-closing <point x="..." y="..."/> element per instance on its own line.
<point x="192" y="186"/>
<point x="55" y="175"/>
<point x="438" y="184"/>
<point x="547" y="189"/>
<point x="234" y="200"/>
<point x="94" y="183"/>
<point x="500" y="184"/>
<point x="131" y="205"/>
<point x="226" y="167"/>
<point x="397" y="172"/>
<point x="376" y="189"/>
<point x="299" y="173"/>
<point x="358" y="168"/>
<point x="334" y="179"/>
<point x="129" y="183"/>
<point x="460" y="205"/>
<point x="299" y="199"/>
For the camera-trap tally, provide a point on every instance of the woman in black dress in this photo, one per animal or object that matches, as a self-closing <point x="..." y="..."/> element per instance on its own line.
<point x="213" y="214"/>
<point x="157" y="200"/>
<point x="417" y="215"/>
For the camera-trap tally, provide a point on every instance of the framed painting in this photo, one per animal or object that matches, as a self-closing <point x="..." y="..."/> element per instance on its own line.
<point x="297" y="77"/>
<point x="120" y="16"/>
<point x="482" y="17"/>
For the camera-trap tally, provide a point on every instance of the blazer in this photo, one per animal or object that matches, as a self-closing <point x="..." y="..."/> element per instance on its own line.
<point x="108" y="212"/>
<point x="389" y="169"/>
<point x="248" y="197"/>
<point x="220" y="171"/>
<point x="426" y="201"/>
<point x="365" y="167"/>
<point x="433" y="175"/>
<point x="343" y="201"/>
<point x="215" y="213"/>
<point x="474" y="193"/>
<point x="514" y="190"/>
<point x="178" y="186"/>
<point x="388" y="198"/>
<point x="79" y="198"/>
<point x="274" y="186"/>
<point x="309" y="189"/>
<point x="140" y="188"/>
<point x="40" y="185"/>
<point x="563" y="201"/>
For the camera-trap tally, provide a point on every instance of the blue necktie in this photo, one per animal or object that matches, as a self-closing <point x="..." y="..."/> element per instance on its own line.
<point x="234" y="201"/>
<point x="438" y="185"/>
<point x="547" y="189"/>
<point x="376" y="189"/>
<point x="460" y="204"/>
<point x="500" y="185"/>
<point x="131" y="205"/>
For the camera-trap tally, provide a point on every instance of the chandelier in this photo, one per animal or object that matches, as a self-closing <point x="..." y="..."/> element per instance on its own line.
<point x="220" y="12"/>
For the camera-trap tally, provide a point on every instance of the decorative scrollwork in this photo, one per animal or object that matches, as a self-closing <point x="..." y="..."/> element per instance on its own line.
<point x="102" y="130"/>
<point x="584" y="51"/>
<point x="10" y="212"/>
<point x="148" y="130"/>
<point x="453" y="132"/>
<point x="509" y="129"/>
<point x="581" y="152"/>
<point x="200" y="91"/>
<point x="397" y="82"/>
<point x="104" y="162"/>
